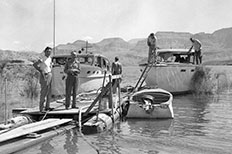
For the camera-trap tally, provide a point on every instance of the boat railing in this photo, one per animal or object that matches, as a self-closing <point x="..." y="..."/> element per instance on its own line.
<point x="106" y="90"/>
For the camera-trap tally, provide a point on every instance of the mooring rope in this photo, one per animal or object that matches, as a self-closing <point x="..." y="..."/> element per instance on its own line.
<point x="49" y="111"/>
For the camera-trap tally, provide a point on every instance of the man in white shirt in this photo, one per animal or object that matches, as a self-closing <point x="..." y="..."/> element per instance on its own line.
<point x="44" y="66"/>
<point x="196" y="45"/>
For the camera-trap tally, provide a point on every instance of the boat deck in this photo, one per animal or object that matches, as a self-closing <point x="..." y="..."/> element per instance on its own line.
<point x="59" y="111"/>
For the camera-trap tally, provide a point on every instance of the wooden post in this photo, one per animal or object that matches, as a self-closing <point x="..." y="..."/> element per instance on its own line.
<point x="5" y="117"/>
<point x="110" y="93"/>
<point x="119" y="96"/>
<point x="111" y="105"/>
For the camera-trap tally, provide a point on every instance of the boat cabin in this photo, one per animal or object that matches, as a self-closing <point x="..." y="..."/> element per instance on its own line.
<point x="84" y="59"/>
<point x="91" y="76"/>
<point x="175" y="56"/>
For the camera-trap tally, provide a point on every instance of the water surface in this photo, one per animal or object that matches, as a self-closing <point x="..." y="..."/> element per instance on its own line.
<point x="202" y="124"/>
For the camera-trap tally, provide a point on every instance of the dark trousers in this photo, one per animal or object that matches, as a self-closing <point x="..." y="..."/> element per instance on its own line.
<point x="71" y="88"/>
<point x="115" y="84"/>
<point x="151" y="53"/>
<point x="197" y="57"/>
<point x="45" y="92"/>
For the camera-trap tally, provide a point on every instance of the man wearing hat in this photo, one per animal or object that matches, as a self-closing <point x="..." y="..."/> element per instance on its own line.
<point x="72" y="69"/>
<point x="44" y="66"/>
<point x="151" y="42"/>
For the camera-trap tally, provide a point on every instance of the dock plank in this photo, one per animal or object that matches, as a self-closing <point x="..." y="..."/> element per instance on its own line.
<point x="31" y="128"/>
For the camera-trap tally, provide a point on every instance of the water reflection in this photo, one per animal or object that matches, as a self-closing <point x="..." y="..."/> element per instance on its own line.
<point x="150" y="127"/>
<point x="201" y="125"/>
<point x="71" y="140"/>
<point x="107" y="142"/>
<point x="190" y="115"/>
<point x="46" y="148"/>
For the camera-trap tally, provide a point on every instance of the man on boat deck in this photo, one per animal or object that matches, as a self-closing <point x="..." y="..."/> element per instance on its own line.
<point x="72" y="69"/>
<point x="116" y="70"/>
<point x="196" y="45"/>
<point x="151" y="42"/>
<point x="44" y="66"/>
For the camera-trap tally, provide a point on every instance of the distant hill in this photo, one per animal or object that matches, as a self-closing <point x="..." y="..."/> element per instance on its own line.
<point x="134" y="41"/>
<point x="14" y="55"/>
<point x="216" y="46"/>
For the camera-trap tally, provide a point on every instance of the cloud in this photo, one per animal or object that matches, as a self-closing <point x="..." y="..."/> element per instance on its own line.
<point x="16" y="42"/>
<point x="87" y="38"/>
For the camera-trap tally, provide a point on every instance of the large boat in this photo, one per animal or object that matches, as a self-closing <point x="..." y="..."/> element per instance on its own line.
<point x="93" y="68"/>
<point x="172" y="70"/>
<point x="150" y="104"/>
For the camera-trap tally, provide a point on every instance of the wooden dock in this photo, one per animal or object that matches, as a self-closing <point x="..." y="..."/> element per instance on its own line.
<point x="95" y="112"/>
<point x="88" y="105"/>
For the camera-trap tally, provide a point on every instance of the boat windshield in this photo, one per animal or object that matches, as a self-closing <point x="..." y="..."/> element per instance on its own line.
<point x="84" y="59"/>
<point x="171" y="56"/>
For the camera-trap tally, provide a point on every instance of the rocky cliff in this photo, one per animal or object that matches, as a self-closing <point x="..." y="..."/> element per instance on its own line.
<point x="216" y="46"/>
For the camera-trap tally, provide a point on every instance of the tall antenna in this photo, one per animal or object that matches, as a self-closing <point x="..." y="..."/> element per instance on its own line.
<point x="54" y="27"/>
<point x="86" y="46"/>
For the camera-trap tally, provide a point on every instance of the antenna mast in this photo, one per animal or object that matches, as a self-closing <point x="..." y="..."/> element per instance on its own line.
<point x="54" y="27"/>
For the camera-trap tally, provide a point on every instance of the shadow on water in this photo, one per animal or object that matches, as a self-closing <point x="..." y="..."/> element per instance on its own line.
<point x="149" y="127"/>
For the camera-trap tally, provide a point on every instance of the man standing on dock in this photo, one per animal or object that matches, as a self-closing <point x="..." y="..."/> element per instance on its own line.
<point x="72" y="69"/>
<point x="196" y="45"/>
<point x="44" y="66"/>
<point x="116" y="70"/>
<point x="151" y="42"/>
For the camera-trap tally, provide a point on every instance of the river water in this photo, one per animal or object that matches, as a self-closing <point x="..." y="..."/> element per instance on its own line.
<point x="202" y="124"/>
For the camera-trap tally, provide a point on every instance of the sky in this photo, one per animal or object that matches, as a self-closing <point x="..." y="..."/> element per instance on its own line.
<point x="28" y="25"/>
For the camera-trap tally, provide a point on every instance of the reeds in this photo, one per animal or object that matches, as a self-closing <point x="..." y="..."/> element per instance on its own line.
<point x="201" y="82"/>
<point x="31" y="86"/>
<point x="206" y="81"/>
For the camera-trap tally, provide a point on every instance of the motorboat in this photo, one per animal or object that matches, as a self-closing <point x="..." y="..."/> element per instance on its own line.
<point x="93" y="69"/>
<point x="172" y="70"/>
<point x="149" y="104"/>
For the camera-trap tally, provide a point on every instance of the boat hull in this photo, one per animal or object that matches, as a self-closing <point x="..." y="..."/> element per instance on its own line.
<point x="159" y="108"/>
<point x="174" y="78"/>
<point x="90" y="78"/>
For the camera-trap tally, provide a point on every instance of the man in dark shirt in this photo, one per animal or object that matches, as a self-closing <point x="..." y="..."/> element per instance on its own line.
<point x="116" y="70"/>
<point x="72" y="69"/>
<point x="151" y="42"/>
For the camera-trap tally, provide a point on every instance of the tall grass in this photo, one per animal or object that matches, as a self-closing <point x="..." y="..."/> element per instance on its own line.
<point x="206" y="81"/>
<point x="31" y="86"/>
<point x="19" y="84"/>
<point x="201" y="82"/>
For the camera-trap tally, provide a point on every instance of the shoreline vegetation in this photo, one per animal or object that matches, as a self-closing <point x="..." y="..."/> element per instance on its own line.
<point x="22" y="87"/>
<point x="22" y="80"/>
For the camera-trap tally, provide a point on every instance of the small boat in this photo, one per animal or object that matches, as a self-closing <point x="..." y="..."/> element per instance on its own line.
<point x="93" y="68"/>
<point x="172" y="71"/>
<point x="151" y="104"/>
